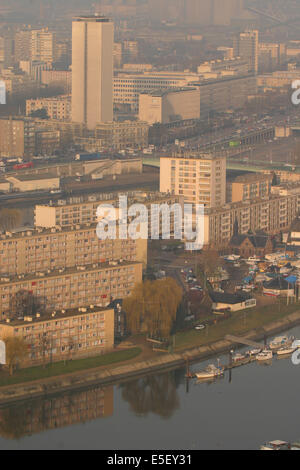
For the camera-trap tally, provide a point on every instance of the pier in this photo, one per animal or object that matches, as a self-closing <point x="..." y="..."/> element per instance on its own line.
<point x="245" y="341"/>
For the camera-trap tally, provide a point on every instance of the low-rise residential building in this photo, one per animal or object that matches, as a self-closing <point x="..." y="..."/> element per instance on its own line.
<point x="231" y="302"/>
<point x="71" y="333"/>
<point x="96" y="284"/>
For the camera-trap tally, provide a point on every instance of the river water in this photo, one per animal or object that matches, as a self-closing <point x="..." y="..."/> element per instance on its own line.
<point x="257" y="403"/>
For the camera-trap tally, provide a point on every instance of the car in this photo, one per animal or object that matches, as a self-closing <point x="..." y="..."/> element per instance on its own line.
<point x="200" y="327"/>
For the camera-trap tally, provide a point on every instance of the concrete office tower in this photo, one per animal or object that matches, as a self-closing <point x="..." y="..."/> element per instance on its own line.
<point x="245" y="45"/>
<point x="92" y="70"/>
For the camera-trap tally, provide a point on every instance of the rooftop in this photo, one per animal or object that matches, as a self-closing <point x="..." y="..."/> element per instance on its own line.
<point x="7" y="279"/>
<point x="252" y="178"/>
<point x="167" y="91"/>
<point x="55" y="315"/>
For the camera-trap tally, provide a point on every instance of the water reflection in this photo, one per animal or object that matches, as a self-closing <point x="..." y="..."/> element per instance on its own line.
<point x="35" y="416"/>
<point x="153" y="394"/>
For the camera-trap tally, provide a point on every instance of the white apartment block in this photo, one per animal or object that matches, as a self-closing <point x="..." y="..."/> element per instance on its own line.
<point x="200" y="179"/>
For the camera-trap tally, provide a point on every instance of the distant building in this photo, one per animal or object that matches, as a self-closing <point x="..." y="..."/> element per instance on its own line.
<point x="250" y="186"/>
<point x="168" y="106"/>
<point x="252" y="244"/>
<point x="121" y="135"/>
<point x="245" y="45"/>
<point x="92" y="70"/>
<point x="58" y="107"/>
<point x="17" y="138"/>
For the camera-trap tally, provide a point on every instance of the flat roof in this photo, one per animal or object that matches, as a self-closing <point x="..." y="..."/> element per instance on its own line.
<point x="92" y="18"/>
<point x="29" y="232"/>
<point x="166" y="91"/>
<point x="252" y="178"/>
<point x="8" y="279"/>
<point x="56" y="315"/>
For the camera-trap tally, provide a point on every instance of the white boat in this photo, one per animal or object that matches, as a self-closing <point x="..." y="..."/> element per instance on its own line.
<point x="276" y="445"/>
<point x="238" y="357"/>
<point x="285" y="351"/>
<point x="210" y="372"/>
<point x="280" y="342"/>
<point x="253" y="352"/>
<point x="265" y="355"/>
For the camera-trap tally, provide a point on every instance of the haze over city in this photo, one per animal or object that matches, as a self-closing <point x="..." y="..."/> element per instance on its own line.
<point x="149" y="227"/>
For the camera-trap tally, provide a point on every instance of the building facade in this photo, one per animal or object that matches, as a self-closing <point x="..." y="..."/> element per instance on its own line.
<point x="92" y="70"/>
<point x="43" y="249"/>
<point x="62" y="334"/>
<point x="96" y="284"/>
<point x="200" y="179"/>
<point x="168" y="106"/>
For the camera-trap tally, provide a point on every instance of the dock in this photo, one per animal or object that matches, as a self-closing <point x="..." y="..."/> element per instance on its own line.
<point x="244" y="341"/>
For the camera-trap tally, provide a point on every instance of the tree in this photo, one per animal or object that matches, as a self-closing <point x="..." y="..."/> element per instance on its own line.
<point x="9" y="219"/>
<point x="152" y="307"/>
<point x="16" y="351"/>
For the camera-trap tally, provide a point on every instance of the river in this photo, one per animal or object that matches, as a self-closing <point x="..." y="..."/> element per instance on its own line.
<point x="257" y="404"/>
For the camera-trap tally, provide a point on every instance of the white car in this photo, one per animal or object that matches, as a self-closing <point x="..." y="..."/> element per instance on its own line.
<point x="200" y="327"/>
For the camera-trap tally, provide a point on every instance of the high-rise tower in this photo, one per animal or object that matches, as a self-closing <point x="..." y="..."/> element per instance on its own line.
<point x="92" y="70"/>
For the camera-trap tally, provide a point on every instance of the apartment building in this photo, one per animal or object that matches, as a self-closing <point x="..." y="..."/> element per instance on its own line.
<point x="245" y="45"/>
<point x="250" y="186"/>
<point x="199" y="178"/>
<point x="57" y="107"/>
<point x="43" y="46"/>
<point x="84" y="210"/>
<point x="44" y="249"/>
<point x="121" y="135"/>
<point x="96" y="284"/>
<point x="71" y="333"/>
<point x="168" y="106"/>
<point x="58" y="78"/>
<point x="272" y="214"/>
<point x="17" y="138"/>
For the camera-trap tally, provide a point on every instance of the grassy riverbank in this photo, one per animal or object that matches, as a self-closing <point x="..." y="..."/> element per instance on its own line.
<point x="61" y="368"/>
<point x="239" y="324"/>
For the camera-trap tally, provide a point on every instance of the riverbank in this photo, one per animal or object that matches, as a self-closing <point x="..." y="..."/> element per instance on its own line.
<point x="60" y="384"/>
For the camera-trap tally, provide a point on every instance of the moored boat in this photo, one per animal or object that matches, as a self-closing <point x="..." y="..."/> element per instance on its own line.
<point x="280" y="342"/>
<point x="276" y="445"/>
<point x="238" y="358"/>
<point x="265" y="355"/>
<point x="210" y="372"/>
<point x="285" y="351"/>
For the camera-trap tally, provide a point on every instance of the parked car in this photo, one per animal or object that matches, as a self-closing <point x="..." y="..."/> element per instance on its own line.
<point x="200" y="327"/>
